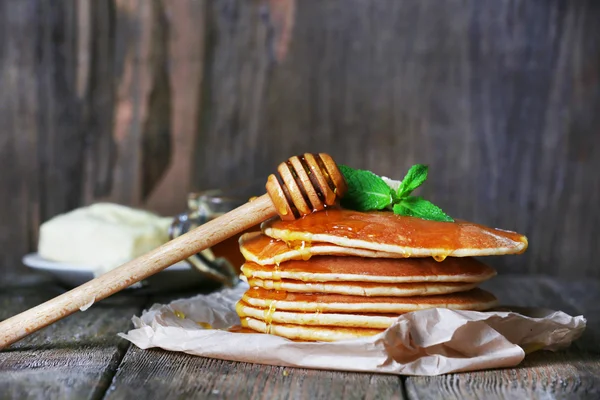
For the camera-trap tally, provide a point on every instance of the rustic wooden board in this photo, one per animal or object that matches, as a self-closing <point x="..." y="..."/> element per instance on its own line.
<point x="527" y="291"/>
<point x="58" y="364"/>
<point x="141" y="101"/>
<point x="161" y="374"/>
<point x="585" y="297"/>
<point x="536" y="377"/>
<point x="573" y="297"/>
<point x="98" y="103"/>
<point x="544" y="375"/>
<point x="61" y="373"/>
<point x="98" y="326"/>
<point x="498" y="97"/>
<point x="74" y="358"/>
<point x="566" y="374"/>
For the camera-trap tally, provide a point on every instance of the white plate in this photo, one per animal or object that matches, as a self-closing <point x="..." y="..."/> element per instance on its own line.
<point x="176" y="277"/>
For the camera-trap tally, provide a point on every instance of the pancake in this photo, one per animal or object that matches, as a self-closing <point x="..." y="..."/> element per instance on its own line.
<point x="405" y="236"/>
<point x="475" y="299"/>
<point x="362" y="288"/>
<point x="272" y="315"/>
<point x="383" y="270"/>
<point x="265" y="250"/>
<point x="307" y="332"/>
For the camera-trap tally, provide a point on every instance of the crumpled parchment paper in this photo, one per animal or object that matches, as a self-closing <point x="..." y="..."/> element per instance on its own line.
<point x="427" y="342"/>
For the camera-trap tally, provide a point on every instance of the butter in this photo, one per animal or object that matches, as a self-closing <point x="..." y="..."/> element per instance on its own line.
<point x="393" y="184"/>
<point x="101" y="236"/>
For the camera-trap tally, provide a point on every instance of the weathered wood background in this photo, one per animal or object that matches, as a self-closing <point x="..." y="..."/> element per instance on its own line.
<point x="139" y="101"/>
<point x="81" y="357"/>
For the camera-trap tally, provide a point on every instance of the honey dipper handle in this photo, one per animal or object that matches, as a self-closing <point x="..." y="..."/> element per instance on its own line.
<point x="206" y="235"/>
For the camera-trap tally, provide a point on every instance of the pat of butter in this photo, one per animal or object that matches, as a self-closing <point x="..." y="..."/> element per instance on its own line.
<point x="101" y="236"/>
<point x="393" y="184"/>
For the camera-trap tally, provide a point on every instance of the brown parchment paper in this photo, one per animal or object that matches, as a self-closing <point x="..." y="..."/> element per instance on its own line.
<point x="427" y="342"/>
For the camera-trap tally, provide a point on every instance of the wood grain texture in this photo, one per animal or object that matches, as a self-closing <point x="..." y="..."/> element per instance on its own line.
<point x="567" y="374"/>
<point x="495" y="96"/>
<point x="84" y="358"/>
<point x="573" y="297"/>
<point x="40" y="144"/>
<point x="162" y="374"/>
<point x="98" y="326"/>
<point x="80" y="373"/>
<point x="583" y="296"/>
<point x="543" y="375"/>
<point x="155" y="69"/>
<point x="139" y="102"/>
<point x="186" y="46"/>
<point x="73" y="359"/>
<point x="87" y="109"/>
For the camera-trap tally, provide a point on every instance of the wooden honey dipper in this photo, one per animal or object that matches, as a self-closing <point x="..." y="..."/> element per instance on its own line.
<point x="302" y="185"/>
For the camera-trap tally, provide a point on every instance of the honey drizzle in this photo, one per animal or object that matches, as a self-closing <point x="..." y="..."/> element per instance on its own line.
<point x="301" y="246"/>
<point x="439" y="257"/>
<point x="268" y="315"/>
<point x="412" y="234"/>
<point x="319" y="309"/>
<point x="276" y="273"/>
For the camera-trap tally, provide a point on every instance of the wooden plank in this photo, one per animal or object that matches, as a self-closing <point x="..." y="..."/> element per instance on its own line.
<point x="527" y="291"/>
<point x="80" y="373"/>
<point x="35" y="99"/>
<point x="97" y="75"/>
<point x="31" y="280"/>
<point x="87" y="106"/>
<point x="186" y="29"/>
<point x="161" y="374"/>
<point x="566" y="374"/>
<point x="155" y="71"/>
<point x="543" y="375"/>
<point x="583" y="295"/>
<point x="497" y="97"/>
<point x="98" y="326"/>
<point x="74" y="358"/>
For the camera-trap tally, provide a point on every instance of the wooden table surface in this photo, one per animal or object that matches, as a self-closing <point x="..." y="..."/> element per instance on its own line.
<point x="81" y="357"/>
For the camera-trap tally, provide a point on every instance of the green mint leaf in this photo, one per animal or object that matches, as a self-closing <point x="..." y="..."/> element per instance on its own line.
<point x="416" y="175"/>
<point x="419" y="207"/>
<point x="366" y="191"/>
<point x="395" y="198"/>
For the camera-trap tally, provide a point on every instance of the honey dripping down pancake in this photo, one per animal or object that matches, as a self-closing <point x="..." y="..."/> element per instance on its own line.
<point x="406" y="236"/>
<point x="363" y="288"/>
<point x="356" y="320"/>
<point x="319" y="318"/>
<point x="382" y="270"/>
<point x="475" y="299"/>
<point x="264" y="250"/>
<point x="307" y="332"/>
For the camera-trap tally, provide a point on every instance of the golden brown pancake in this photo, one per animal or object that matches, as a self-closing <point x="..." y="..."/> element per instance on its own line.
<point x="383" y="270"/>
<point x="475" y="299"/>
<point x="264" y="250"/>
<point x="362" y="288"/>
<point x="406" y="236"/>
<point x="355" y="320"/>
<point x="307" y="332"/>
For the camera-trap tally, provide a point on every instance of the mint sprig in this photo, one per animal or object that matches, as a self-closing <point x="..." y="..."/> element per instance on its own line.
<point x="367" y="192"/>
<point x="414" y="178"/>
<point x="413" y="206"/>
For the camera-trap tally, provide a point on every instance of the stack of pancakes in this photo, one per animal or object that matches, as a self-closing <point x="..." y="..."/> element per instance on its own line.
<point x="341" y="274"/>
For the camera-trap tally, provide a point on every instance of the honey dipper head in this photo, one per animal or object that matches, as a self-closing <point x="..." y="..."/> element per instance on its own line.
<point x="304" y="184"/>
